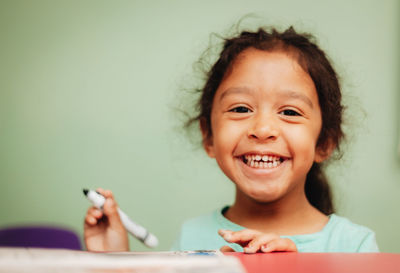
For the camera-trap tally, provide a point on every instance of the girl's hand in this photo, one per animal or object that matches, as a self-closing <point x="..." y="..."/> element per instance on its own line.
<point x="103" y="230"/>
<point x="254" y="241"/>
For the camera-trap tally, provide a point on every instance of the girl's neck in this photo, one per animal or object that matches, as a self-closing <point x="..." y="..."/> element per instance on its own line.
<point x="287" y="216"/>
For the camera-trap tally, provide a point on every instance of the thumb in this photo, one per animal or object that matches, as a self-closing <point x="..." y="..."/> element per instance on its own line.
<point x="110" y="209"/>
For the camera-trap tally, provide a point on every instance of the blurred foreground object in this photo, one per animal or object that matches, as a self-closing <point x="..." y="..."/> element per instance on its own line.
<point x="39" y="236"/>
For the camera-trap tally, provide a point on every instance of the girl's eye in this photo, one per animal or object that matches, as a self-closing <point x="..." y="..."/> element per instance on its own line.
<point x="289" y="112"/>
<point x="240" y="109"/>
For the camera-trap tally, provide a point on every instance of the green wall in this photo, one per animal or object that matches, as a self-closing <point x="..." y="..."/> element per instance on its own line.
<point x="88" y="88"/>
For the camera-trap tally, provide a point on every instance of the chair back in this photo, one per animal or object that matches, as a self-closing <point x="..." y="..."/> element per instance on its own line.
<point x="39" y="236"/>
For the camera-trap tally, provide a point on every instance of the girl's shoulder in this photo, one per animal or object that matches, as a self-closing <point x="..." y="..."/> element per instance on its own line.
<point x="353" y="237"/>
<point x="340" y="224"/>
<point x="339" y="235"/>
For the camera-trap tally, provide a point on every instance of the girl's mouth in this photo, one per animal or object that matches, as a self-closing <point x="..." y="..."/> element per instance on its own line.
<point x="262" y="161"/>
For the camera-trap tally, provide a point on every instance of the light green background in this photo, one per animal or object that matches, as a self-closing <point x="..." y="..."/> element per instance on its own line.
<point x="87" y="90"/>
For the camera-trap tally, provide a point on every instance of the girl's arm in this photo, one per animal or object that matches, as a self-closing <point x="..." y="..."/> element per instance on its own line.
<point x="254" y="241"/>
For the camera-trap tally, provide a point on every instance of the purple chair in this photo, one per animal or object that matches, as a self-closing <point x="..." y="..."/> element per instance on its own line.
<point x="39" y="236"/>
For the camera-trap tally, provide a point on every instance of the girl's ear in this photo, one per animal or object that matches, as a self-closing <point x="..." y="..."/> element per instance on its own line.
<point x="207" y="138"/>
<point x="324" y="151"/>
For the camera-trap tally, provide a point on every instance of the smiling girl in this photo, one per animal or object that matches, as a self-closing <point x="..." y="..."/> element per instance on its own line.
<point x="270" y="115"/>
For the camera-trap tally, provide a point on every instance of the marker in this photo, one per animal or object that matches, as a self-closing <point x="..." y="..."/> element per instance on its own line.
<point x="136" y="230"/>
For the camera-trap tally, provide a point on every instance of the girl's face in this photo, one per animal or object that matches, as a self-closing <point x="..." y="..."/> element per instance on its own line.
<point x="265" y="123"/>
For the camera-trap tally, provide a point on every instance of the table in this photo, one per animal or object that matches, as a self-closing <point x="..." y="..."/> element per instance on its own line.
<point x="291" y="262"/>
<point x="19" y="260"/>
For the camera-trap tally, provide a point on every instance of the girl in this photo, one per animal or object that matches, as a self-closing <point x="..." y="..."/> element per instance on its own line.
<point x="270" y="115"/>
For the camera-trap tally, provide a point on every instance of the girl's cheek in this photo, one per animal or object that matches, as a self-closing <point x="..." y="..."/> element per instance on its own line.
<point x="303" y="141"/>
<point x="225" y="127"/>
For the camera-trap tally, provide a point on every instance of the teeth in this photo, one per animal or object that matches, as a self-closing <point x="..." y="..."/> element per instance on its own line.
<point x="262" y="161"/>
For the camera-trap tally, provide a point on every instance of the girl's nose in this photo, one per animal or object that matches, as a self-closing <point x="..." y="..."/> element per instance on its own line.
<point x="264" y="128"/>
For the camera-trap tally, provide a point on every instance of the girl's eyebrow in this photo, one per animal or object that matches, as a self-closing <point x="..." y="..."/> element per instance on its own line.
<point x="296" y="95"/>
<point x="282" y="93"/>
<point x="235" y="90"/>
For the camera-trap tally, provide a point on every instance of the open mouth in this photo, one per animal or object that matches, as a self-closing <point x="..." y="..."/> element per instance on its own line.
<point x="262" y="161"/>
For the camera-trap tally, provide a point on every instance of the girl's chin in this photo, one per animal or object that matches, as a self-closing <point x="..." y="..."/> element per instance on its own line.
<point x="261" y="195"/>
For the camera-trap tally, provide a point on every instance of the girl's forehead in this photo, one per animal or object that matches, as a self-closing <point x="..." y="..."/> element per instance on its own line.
<point x="254" y="60"/>
<point x="266" y="70"/>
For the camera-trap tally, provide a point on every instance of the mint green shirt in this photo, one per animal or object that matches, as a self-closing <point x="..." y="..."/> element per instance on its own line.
<point x="338" y="235"/>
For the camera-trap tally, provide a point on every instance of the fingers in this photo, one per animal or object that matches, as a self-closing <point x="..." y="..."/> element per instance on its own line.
<point x="93" y="215"/>
<point x="280" y="244"/>
<point x="110" y="209"/>
<point x="270" y="243"/>
<point x="254" y="241"/>
<point x="258" y="241"/>
<point x="105" y="193"/>
<point x="242" y="237"/>
<point x="109" y="206"/>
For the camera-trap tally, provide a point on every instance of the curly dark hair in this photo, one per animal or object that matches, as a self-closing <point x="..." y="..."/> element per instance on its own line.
<point x="313" y="60"/>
